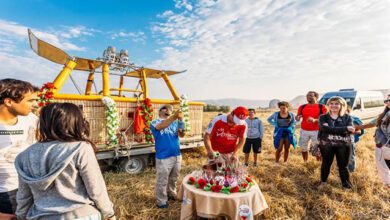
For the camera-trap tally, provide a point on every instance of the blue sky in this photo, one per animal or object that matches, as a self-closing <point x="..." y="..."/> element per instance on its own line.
<point x="99" y="19"/>
<point x="231" y="49"/>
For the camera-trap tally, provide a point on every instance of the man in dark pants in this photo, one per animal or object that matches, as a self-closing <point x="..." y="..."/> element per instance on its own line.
<point x="17" y="132"/>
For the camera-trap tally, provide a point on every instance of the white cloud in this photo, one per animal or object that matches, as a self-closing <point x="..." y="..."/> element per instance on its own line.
<point x="183" y="4"/>
<point x="265" y="49"/>
<point x="19" y="63"/>
<point x="17" y="33"/>
<point x="28" y="67"/>
<point x="137" y="37"/>
<point x="77" y="31"/>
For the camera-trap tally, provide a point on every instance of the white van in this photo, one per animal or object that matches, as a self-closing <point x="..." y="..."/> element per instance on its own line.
<point x="364" y="104"/>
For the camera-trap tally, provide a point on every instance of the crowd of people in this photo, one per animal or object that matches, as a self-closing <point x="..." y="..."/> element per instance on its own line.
<point x="48" y="169"/>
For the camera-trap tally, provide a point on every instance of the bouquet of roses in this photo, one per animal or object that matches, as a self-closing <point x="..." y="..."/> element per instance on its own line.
<point x="219" y="184"/>
<point x="45" y="94"/>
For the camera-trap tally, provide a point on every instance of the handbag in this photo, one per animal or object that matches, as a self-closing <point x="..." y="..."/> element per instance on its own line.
<point x="381" y="138"/>
<point x="315" y="150"/>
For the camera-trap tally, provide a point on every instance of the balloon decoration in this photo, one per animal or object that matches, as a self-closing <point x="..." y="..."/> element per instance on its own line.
<point x="112" y="121"/>
<point x="147" y="115"/>
<point x="185" y="108"/>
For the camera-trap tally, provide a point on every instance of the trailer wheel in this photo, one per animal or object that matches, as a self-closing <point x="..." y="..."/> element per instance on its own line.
<point x="133" y="165"/>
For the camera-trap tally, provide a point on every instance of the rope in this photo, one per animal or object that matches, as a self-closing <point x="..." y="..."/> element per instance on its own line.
<point x="75" y="85"/>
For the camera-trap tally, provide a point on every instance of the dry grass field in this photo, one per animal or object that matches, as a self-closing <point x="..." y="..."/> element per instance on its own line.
<point x="290" y="190"/>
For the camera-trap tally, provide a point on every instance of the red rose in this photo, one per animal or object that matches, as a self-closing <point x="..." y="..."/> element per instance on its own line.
<point x="49" y="85"/>
<point x="244" y="185"/>
<point x="234" y="189"/>
<point x="249" y="180"/>
<point x="41" y="104"/>
<point x="216" y="188"/>
<point x="202" y="183"/>
<point x="47" y="103"/>
<point x="49" y="95"/>
<point x="191" y="180"/>
<point x="211" y="181"/>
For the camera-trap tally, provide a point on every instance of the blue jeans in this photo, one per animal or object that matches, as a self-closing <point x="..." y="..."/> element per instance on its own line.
<point x="352" y="161"/>
<point x="8" y="202"/>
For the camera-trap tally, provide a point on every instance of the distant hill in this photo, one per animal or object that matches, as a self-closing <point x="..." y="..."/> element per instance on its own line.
<point x="238" y="102"/>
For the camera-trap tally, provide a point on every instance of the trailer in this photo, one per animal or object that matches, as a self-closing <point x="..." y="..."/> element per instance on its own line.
<point x="132" y="153"/>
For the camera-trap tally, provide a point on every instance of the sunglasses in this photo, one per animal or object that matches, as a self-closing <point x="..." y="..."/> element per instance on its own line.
<point x="387" y="100"/>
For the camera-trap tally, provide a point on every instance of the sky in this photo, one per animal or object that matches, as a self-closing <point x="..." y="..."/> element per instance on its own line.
<point x="247" y="49"/>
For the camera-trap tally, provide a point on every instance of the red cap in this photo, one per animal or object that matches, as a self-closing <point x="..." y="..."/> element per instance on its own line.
<point x="241" y="113"/>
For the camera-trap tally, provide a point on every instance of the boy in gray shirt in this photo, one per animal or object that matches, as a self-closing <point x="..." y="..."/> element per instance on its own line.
<point x="254" y="136"/>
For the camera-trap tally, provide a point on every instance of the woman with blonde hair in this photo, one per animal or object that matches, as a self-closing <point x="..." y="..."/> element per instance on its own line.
<point x="335" y="139"/>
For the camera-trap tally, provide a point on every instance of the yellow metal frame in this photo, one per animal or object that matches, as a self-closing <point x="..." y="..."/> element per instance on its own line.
<point x="119" y="99"/>
<point x="63" y="75"/>
<point x="170" y="86"/>
<point x="145" y="84"/>
<point x="106" y="80"/>
<point x="88" y="87"/>
<point x="70" y="65"/>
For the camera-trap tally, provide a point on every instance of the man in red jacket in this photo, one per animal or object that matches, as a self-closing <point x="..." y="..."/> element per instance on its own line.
<point x="226" y="134"/>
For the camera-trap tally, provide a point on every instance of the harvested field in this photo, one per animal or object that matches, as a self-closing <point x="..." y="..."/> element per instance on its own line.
<point x="290" y="190"/>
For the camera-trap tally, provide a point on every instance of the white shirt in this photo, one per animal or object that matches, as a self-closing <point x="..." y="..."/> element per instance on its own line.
<point x="13" y="140"/>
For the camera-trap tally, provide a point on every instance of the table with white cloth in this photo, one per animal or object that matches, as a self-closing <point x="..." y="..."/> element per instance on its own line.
<point x="207" y="204"/>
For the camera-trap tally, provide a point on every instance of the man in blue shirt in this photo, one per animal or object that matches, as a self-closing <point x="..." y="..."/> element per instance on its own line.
<point x="166" y="132"/>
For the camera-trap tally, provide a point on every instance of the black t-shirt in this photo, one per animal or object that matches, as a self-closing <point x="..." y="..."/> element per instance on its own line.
<point x="284" y="122"/>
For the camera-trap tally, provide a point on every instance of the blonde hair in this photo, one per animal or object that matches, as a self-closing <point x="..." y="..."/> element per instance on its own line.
<point x="342" y="102"/>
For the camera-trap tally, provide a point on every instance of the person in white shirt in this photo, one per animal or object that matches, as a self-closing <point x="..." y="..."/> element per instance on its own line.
<point x="17" y="132"/>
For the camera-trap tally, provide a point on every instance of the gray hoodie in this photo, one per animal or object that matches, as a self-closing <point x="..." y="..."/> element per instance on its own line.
<point x="60" y="180"/>
<point x="255" y="128"/>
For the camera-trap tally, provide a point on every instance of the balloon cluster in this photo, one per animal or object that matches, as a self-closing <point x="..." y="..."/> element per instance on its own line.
<point x="112" y="121"/>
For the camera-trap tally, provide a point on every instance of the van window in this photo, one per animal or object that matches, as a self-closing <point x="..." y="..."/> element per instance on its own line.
<point x="358" y="104"/>
<point x="372" y="102"/>
<point x="347" y="99"/>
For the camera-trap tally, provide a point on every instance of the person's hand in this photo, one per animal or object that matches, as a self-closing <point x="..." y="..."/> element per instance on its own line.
<point x="325" y="124"/>
<point x="351" y="129"/>
<point x="4" y="216"/>
<point x="210" y="154"/>
<point x="233" y="158"/>
<point x="298" y="117"/>
<point x="311" y="119"/>
<point x="179" y="114"/>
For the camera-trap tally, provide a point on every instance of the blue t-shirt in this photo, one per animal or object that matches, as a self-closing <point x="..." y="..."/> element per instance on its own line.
<point x="167" y="142"/>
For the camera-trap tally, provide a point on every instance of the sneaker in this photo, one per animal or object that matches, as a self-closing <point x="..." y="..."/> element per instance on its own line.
<point x="165" y="206"/>
<point x="172" y="198"/>
<point x="246" y="164"/>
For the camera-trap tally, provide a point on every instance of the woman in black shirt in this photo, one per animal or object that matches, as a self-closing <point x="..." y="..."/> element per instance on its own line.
<point x="335" y="139"/>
